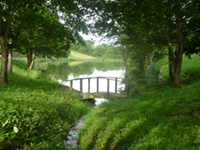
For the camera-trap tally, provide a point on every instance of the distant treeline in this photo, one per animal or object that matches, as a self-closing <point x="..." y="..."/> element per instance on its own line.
<point x="103" y="50"/>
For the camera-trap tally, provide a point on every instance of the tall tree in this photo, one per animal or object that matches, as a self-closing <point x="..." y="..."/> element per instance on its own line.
<point x="47" y="37"/>
<point x="149" y="15"/>
<point x="12" y="15"/>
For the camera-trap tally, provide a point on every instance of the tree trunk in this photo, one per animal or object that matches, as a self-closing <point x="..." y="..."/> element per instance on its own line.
<point x="4" y="59"/>
<point x="151" y="59"/>
<point x="171" y="60"/>
<point x="10" y="61"/>
<point x="146" y="66"/>
<point x="31" y="65"/>
<point x="29" y="57"/>
<point x="125" y="57"/>
<point x="179" y="53"/>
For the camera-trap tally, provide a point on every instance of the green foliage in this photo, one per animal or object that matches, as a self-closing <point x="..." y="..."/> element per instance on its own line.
<point x="161" y="118"/>
<point x="190" y="68"/>
<point x="45" y="36"/>
<point x="34" y="113"/>
<point x="103" y="50"/>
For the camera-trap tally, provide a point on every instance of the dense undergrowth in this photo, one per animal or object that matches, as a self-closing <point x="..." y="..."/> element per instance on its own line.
<point x="161" y="117"/>
<point x="34" y="113"/>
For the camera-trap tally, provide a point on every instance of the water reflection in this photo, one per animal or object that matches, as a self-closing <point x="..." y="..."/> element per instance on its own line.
<point x="63" y="70"/>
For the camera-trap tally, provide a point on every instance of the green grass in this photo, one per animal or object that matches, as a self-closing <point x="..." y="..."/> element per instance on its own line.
<point x="76" y="55"/>
<point x="35" y="113"/>
<point x="159" y="118"/>
<point x="79" y="56"/>
<point x="190" y="68"/>
<point x="163" y="119"/>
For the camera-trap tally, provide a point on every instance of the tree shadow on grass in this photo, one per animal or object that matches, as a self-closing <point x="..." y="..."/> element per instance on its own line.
<point x="21" y="83"/>
<point x="19" y="64"/>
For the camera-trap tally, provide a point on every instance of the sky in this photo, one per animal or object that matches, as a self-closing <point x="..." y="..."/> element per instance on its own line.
<point x="98" y="40"/>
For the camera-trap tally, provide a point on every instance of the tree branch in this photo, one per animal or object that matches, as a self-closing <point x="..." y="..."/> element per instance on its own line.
<point x="22" y="13"/>
<point x="198" y="29"/>
<point x="18" y="28"/>
<point x="7" y="32"/>
<point x="1" y="30"/>
<point x="16" y="37"/>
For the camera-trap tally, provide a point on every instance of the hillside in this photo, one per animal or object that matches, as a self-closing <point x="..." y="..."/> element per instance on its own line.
<point x="77" y="55"/>
<point x="161" y="117"/>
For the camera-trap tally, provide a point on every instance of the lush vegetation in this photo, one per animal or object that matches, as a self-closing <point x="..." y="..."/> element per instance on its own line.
<point x="190" y="70"/>
<point x="160" y="117"/>
<point x="103" y="50"/>
<point x="35" y="113"/>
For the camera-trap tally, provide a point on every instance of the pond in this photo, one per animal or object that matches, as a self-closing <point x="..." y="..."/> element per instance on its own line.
<point x="67" y="71"/>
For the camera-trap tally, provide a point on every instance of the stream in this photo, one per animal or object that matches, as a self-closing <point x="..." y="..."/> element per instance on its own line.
<point x="72" y="135"/>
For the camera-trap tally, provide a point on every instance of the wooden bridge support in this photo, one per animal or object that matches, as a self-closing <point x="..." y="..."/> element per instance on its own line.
<point x="108" y="88"/>
<point x="115" y="85"/>
<point x="88" y="86"/>
<point x="97" y="84"/>
<point x="81" y="85"/>
<point x="71" y="86"/>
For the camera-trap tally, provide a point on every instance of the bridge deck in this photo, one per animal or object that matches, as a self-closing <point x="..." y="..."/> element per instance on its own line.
<point x="100" y="95"/>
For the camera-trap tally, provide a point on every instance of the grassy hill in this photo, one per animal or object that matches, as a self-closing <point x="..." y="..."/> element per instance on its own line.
<point x="77" y="55"/>
<point x="161" y="117"/>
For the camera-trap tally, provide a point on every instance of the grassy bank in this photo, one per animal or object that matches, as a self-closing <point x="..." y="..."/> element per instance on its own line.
<point x="160" y="118"/>
<point x="190" y="71"/>
<point x="76" y="55"/>
<point x="35" y="113"/>
<point x="79" y="56"/>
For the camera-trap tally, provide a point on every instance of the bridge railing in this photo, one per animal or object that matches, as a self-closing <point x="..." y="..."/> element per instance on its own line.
<point x="116" y="79"/>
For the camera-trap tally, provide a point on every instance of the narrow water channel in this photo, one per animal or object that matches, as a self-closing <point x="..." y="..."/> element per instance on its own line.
<point x="72" y="140"/>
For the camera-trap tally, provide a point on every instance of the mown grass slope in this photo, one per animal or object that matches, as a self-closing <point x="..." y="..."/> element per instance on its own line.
<point x="160" y="117"/>
<point x="76" y="55"/>
<point x="34" y="113"/>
